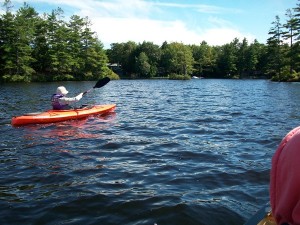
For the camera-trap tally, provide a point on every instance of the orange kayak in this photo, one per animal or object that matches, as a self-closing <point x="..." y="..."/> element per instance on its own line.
<point x="52" y="116"/>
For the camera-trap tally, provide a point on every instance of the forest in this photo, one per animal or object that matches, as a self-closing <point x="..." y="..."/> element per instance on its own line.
<point x="50" y="47"/>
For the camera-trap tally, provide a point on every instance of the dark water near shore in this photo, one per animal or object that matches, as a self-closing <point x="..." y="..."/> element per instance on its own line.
<point x="174" y="152"/>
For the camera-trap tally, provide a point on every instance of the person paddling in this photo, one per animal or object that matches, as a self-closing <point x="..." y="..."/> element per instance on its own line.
<point x="59" y="100"/>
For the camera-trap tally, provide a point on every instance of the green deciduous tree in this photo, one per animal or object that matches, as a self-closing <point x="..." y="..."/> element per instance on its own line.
<point x="123" y="54"/>
<point x="205" y="59"/>
<point x="178" y="59"/>
<point x="143" y="67"/>
<point x="153" y="54"/>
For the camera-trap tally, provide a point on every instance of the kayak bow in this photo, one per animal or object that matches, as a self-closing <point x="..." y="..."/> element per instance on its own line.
<point x="262" y="217"/>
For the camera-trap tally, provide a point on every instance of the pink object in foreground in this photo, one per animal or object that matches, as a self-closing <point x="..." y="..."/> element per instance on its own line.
<point x="285" y="180"/>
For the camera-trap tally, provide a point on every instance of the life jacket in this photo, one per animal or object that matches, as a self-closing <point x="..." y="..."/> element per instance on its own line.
<point x="55" y="102"/>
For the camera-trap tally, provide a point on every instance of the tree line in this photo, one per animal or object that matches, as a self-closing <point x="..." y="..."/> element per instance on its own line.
<point x="278" y="59"/>
<point x="147" y="60"/>
<point x="46" y="47"/>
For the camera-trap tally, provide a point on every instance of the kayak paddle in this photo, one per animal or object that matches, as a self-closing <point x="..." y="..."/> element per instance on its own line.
<point x="100" y="83"/>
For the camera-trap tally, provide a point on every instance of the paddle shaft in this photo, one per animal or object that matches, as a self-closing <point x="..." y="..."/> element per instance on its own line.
<point x="100" y="83"/>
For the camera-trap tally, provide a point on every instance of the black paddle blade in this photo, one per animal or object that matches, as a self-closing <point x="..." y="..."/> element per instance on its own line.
<point x="102" y="82"/>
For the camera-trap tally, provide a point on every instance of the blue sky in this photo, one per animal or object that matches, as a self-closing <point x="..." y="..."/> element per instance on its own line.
<point x="216" y="21"/>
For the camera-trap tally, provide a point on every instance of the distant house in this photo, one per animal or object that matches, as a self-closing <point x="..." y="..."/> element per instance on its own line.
<point x="116" y="67"/>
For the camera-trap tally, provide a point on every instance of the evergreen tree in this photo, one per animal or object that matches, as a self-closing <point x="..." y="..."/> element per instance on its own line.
<point x="242" y="60"/>
<point x="296" y="45"/>
<point x="60" y="59"/>
<point x="17" y="32"/>
<point x="47" y="47"/>
<point x="227" y="59"/>
<point x="75" y="44"/>
<point x="255" y="59"/>
<point x="275" y="56"/>
<point x="290" y="34"/>
<point x="90" y="51"/>
<point x="7" y="38"/>
<point x="41" y="50"/>
<point x="25" y="25"/>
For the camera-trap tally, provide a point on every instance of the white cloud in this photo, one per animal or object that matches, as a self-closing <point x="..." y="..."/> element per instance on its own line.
<point x="139" y="20"/>
<point x="203" y="8"/>
<point x="122" y="30"/>
<point x="116" y="30"/>
<point x="220" y="36"/>
<point x="121" y="22"/>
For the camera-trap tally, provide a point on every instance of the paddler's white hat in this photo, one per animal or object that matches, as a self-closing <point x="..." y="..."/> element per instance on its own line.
<point x="61" y="90"/>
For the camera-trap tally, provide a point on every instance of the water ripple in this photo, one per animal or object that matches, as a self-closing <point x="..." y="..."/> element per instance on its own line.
<point x="174" y="152"/>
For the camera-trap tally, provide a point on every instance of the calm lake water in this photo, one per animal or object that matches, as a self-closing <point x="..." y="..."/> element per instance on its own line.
<point x="173" y="153"/>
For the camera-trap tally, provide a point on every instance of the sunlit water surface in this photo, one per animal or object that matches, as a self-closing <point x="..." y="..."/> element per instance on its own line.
<point x="174" y="152"/>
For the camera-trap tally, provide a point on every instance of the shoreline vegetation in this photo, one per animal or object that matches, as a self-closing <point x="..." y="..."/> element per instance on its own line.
<point x="48" y="47"/>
